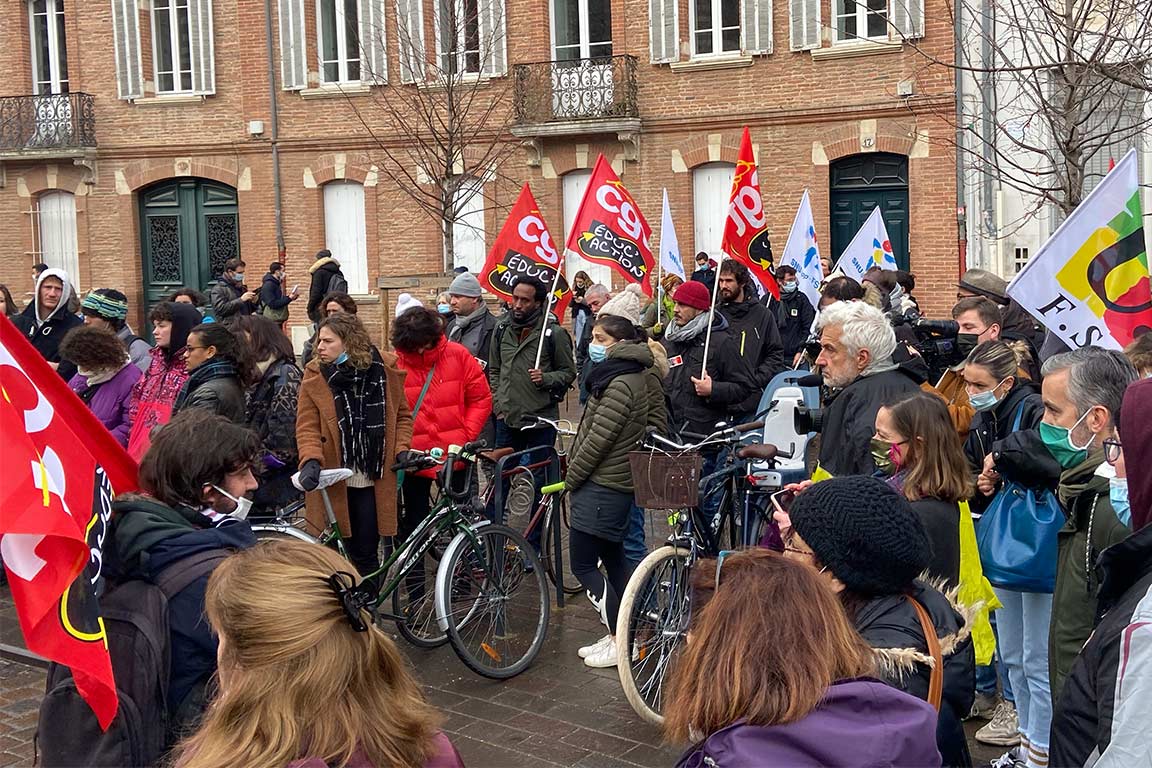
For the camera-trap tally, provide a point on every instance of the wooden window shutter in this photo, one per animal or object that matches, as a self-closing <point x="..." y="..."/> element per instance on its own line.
<point x="410" y="39"/>
<point x="293" y="56"/>
<point x="803" y="24"/>
<point x="201" y="45"/>
<point x="756" y="18"/>
<point x="126" y="42"/>
<point x="373" y="58"/>
<point x="907" y="18"/>
<point x="494" y="37"/>
<point x="664" y="30"/>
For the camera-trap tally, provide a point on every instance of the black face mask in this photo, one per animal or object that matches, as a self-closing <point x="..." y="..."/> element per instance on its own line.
<point x="965" y="343"/>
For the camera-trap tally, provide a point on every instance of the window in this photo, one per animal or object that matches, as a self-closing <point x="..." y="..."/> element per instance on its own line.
<point x="54" y="232"/>
<point x="338" y="30"/>
<point x="860" y="19"/>
<point x="468" y="244"/>
<point x="344" y="233"/>
<point x="171" y="46"/>
<point x="49" y="49"/>
<point x="581" y="29"/>
<point x="575" y="184"/>
<point x="715" y="27"/>
<point x="459" y="22"/>
<point x="711" y="190"/>
<point x="1019" y="258"/>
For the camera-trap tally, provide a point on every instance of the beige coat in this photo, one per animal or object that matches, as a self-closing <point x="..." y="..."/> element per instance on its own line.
<point x="318" y="437"/>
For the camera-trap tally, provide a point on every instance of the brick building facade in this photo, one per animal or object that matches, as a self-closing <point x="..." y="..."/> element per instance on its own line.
<point x="144" y="157"/>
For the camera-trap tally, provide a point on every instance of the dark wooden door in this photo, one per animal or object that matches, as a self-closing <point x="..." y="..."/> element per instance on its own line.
<point x="859" y="183"/>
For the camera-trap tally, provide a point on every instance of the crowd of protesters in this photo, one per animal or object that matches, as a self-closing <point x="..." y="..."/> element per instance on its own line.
<point x="876" y="570"/>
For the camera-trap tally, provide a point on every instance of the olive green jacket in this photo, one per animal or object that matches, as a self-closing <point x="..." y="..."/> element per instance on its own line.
<point x="512" y="353"/>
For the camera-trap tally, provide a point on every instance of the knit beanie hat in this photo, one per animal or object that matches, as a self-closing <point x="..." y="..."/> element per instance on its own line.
<point x="465" y="284"/>
<point x="107" y="303"/>
<point x="693" y="294"/>
<point x="864" y="532"/>
<point x="625" y="304"/>
<point x="406" y="302"/>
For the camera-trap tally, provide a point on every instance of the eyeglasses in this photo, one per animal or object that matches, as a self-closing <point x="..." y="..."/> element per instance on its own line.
<point x="720" y="558"/>
<point x="1112" y="450"/>
<point x="788" y="547"/>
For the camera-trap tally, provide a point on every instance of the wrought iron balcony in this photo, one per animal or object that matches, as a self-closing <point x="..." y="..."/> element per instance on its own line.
<point x="63" y="123"/>
<point x="601" y="88"/>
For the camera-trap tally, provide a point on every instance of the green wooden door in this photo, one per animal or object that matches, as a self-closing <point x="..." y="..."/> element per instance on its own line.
<point x="859" y="183"/>
<point x="188" y="229"/>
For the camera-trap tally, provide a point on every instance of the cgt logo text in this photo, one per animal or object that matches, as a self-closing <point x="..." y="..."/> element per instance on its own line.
<point x="600" y="243"/>
<point x="613" y="199"/>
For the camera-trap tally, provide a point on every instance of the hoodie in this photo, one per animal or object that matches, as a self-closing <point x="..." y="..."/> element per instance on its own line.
<point x="165" y="376"/>
<point x="47" y="333"/>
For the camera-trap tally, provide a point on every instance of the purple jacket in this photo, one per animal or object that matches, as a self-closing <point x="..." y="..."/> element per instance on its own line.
<point x="860" y="723"/>
<point x="110" y="400"/>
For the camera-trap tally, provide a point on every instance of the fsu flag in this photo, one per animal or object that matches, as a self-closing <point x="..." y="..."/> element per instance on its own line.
<point x="746" y="230"/>
<point x="609" y="228"/>
<point x="524" y="249"/>
<point x="61" y="468"/>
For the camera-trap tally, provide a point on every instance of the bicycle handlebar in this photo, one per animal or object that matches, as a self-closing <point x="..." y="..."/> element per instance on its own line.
<point x="534" y="422"/>
<point x="727" y="435"/>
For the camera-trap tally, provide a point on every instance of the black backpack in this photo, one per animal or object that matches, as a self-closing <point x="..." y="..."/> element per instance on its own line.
<point x="136" y="622"/>
<point x="337" y="284"/>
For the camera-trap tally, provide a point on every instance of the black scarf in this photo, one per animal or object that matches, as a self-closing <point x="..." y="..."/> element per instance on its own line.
<point x="602" y="374"/>
<point x="359" y="397"/>
<point x="216" y="368"/>
<point x="533" y="319"/>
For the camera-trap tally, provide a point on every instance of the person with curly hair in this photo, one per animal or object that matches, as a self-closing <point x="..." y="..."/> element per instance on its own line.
<point x="104" y="376"/>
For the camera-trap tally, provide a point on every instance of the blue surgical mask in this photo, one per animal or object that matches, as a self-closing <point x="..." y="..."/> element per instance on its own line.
<point x="443" y="308"/>
<point x="597" y="353"/>
<point x="983" y="401"/>
<point x="342" y="359"/>
<point x="238" y="276"/>
<point x="790" y="287"/>
<point x="1118" y="495"/>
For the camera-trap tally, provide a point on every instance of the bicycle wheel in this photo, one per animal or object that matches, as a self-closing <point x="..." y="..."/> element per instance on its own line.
<point x="281" y="533"/>
<point x="570" y="585"/>
<point x="415" y="595"/>
<point x="653" y="623"/>
<point x="492" y="598"/>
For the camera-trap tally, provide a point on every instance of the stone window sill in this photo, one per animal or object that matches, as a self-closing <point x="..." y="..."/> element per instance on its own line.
<point x="719" y="62"/>
<point x="854" y="49"/>
<point x="168" y="99"/>
<point x="335" y="91"/>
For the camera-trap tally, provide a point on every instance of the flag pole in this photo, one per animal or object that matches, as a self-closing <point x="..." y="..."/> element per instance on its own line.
<point x="547" y="311"/>
<point x="711" y="316"/>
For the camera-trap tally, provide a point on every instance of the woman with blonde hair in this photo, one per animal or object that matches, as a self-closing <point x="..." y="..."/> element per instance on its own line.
<point x="306" y="679"/>
<point x="798" y="692"/>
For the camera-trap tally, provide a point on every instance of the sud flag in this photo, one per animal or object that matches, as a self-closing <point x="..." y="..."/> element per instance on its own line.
<point x="62" y="468"/>
<point x="524" y="249"/>
<point x="870" y="248"/>
<point x="802" y="252"/>
<point x="746" y="229"/>
<point x="609" y="228"/>
<point x="1089" y="283"/>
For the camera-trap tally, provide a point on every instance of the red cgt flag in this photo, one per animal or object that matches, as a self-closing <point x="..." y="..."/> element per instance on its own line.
<point x="609" y="228"/>
<point x="746" y="230"/>
<point x="524" y="249"/>
<point x="62" y="467"/>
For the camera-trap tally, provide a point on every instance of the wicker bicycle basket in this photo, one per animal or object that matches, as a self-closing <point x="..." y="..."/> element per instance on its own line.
<point x="665" y="481"/>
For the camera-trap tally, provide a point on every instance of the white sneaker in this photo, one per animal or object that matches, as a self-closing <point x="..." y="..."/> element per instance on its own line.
<point x="604" y="657"/>
<point x="588" y="650"/>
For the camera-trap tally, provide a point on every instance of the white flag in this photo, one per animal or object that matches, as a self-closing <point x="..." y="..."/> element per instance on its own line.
<point x="1089" y="283"/>
<point x="870" y="248"/>
<point x="802" y="253"/>
<point x="669" y="247"/>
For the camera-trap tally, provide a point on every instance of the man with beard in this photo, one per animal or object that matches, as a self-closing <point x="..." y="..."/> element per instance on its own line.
<point x="46" y="321"/>
<point x="753" y="329"/>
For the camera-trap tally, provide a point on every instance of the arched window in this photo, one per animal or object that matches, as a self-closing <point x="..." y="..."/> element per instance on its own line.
<point x="344" y="232"/>
<point x="54" y="232"/>
<point x="711" y="190"/>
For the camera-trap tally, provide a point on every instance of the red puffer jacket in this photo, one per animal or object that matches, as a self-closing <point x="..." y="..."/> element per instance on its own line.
<point x="458" y="401"/>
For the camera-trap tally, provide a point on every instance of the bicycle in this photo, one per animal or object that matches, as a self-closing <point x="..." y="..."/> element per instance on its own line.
<point x="656" y="608"/>
<point x="486" y="584"/>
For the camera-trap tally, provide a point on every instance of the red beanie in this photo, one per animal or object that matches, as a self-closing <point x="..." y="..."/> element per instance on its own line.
<point x="693" y="294"/>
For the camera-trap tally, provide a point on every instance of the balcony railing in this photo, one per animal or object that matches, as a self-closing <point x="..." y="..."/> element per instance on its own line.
<point x="35" y="124"/>
<point x="600" y="88"/>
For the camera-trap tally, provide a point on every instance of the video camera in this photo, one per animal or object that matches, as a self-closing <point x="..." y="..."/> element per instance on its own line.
<point x="939" y="342"/>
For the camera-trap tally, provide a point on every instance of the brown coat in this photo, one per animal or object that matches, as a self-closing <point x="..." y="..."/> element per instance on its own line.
<point x="318" y="437"/>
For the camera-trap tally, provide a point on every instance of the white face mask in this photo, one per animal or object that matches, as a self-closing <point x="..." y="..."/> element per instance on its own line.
<point x="243" y="504"/>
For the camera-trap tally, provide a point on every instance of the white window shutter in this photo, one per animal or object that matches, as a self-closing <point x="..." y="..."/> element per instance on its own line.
<point x="756" y="19"/>
<point x="201" y="45"/>
<point x="803" y="24"/>
<point x="293" y="55"/>
<point x="410" y="39"/>
<point x="907" y="18"/>
<point x="494" y="37"/>
<point x="664" y="30"/>
<point x="126" y="41"/>
<point x="373" y="59"/>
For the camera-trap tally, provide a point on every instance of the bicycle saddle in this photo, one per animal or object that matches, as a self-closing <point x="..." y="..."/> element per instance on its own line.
<point x="759" y="451"/>
<point x="328" y="477"/>
<point x="496" y="454"/>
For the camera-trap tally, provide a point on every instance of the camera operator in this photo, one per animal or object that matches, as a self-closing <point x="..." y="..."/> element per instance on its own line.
<point x="856" y="348"/>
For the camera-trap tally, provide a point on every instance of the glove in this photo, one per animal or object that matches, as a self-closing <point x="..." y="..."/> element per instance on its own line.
<point x="408" y="458"/>
<point x="310" y="475"/>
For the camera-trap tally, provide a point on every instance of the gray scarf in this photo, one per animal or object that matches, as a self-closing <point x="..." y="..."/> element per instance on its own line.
<point x="464" y="322"/>
<point x="691" y="330"/>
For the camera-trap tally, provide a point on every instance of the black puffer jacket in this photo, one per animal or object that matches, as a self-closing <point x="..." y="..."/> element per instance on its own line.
<point x="732" y="380"/>
<point x="757" y="338"/>
<point x="225" y="298"/>
<point x="890" y="625"/>
<point x="850" y="420"/>
<point x="222" y="395"/>
<point x="941" y="520"/>
<point x="996" y="424"/>
<point x="794" y="316"/>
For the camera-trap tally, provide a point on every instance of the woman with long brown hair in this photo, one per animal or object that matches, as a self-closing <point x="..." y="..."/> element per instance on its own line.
<point x="796" y="692"/>
<point x="306" y="679"/>
<point x="918" y="451"/>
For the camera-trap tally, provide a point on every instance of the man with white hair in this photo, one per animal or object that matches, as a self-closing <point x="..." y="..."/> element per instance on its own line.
<point x="856" y="347"/>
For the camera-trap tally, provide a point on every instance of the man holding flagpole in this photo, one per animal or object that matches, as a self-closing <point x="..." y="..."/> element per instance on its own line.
<point x="752" y="327"/>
